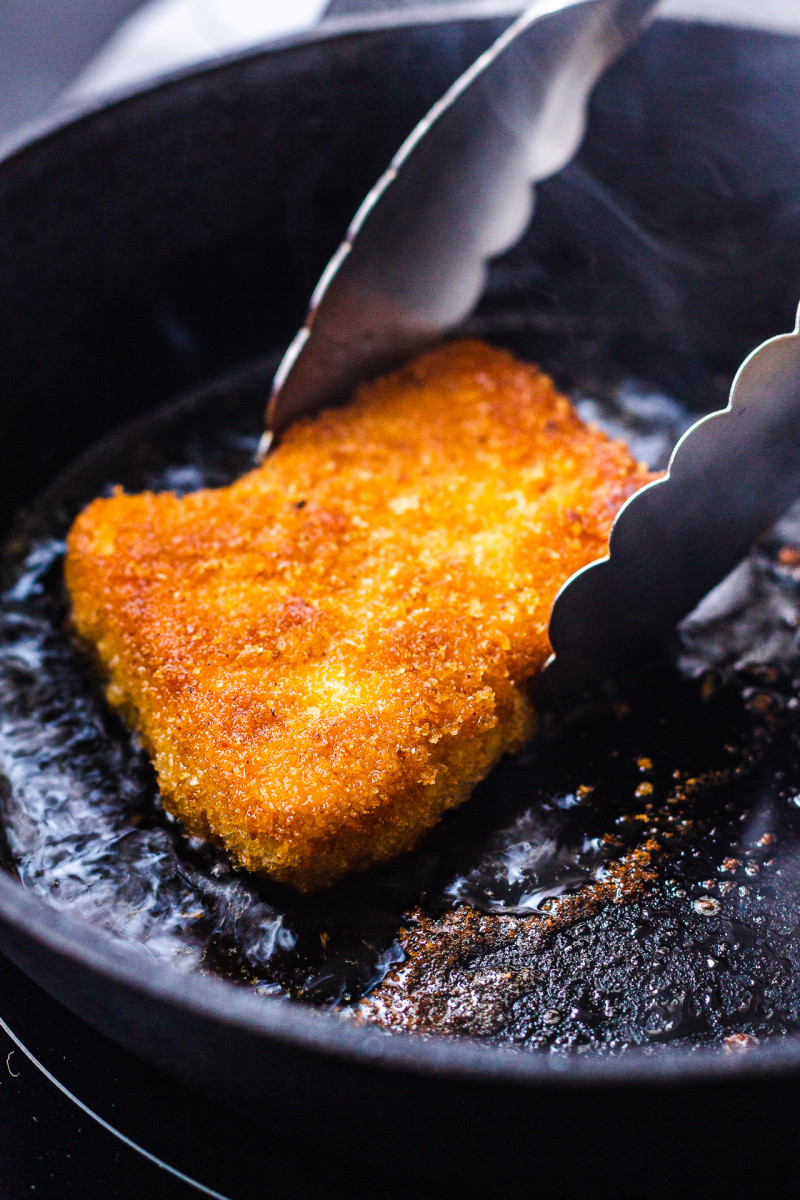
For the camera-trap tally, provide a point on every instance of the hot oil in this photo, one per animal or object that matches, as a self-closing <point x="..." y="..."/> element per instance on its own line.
<point x="687" y="931"/>
<point x="630" y="880"/>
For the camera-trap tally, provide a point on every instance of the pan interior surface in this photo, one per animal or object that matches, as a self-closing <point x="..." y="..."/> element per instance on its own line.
<point x="630" y="882"/>
<point x="627" y="887"/>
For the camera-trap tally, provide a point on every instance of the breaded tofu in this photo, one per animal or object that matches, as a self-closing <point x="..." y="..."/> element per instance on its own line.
<point x="325" y="656"/>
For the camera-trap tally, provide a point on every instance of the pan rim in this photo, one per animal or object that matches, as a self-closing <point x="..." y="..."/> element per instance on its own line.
<point x="295" y="1025"/>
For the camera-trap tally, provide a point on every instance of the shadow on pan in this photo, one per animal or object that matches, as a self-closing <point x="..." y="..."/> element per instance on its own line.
<point x="166" y="240"/>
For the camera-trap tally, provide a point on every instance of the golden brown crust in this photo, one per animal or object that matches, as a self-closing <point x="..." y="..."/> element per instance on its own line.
<point x="325" y="656"/>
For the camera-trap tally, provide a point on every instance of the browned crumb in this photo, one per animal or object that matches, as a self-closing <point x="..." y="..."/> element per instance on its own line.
<point x="789" y="556"/>
<point x="325" y="656"/>
<point x="737" y="1043"/>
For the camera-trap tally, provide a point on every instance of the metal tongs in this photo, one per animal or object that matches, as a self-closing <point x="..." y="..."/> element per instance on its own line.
<point x="413" y="265"/>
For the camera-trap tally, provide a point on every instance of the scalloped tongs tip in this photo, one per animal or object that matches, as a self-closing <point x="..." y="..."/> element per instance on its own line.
<point x="730" y="477"/>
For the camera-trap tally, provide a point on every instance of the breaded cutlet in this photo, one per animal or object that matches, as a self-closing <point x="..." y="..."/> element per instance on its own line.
<point x="325" y="656"/>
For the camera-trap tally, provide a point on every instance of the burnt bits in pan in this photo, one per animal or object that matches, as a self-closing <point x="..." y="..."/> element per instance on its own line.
<point x="632" y="880"/>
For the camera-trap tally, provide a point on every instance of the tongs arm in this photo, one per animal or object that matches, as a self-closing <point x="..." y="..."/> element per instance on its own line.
<point x="457" y="193"/>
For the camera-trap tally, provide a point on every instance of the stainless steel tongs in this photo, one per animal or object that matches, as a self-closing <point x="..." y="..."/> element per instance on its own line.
<point x="413" y="265"/>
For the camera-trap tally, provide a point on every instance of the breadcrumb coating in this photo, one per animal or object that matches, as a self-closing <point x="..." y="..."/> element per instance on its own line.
<point x="325" y="656"/>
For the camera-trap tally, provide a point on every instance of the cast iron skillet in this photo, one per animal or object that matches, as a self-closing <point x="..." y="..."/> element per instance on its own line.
<point x="160" y="241"/>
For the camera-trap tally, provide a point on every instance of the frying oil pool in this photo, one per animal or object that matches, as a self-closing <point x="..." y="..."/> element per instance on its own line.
<point x="632" y="880"/>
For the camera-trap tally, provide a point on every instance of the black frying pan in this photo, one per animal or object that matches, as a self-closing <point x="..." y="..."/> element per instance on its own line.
<point x="164" y="240"/>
